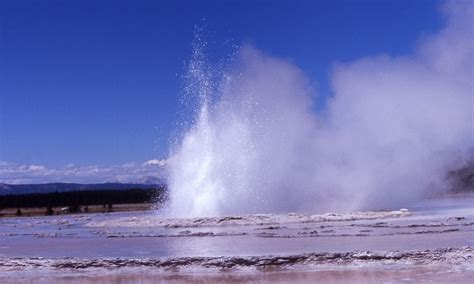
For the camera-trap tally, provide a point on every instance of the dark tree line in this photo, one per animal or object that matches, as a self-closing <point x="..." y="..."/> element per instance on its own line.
<point x="81" y="198"/>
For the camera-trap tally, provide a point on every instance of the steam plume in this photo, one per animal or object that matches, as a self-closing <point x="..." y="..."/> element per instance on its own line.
<point x="392" y="129"/>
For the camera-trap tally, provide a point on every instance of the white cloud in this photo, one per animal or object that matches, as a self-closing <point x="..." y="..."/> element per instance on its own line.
<point x="157" y="162"/>
<point x="13" y="173"/>
<point x="36" y="168"/>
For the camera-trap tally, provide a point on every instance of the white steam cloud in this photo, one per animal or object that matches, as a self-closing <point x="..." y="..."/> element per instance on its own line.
<point x="393" y="128"/>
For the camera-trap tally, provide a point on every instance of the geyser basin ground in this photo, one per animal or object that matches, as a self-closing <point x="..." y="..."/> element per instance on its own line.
<point x="432" y="241"/>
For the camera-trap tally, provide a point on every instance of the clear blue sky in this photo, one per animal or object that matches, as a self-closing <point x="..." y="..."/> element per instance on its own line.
<point x="98" y="82"/>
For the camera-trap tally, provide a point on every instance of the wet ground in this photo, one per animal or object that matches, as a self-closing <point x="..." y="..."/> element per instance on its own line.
<point x="431" y="241"/>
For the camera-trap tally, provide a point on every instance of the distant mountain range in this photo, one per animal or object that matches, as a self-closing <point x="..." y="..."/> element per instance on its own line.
<point x="149" y="180"/>
<point x="462" y="180"/>
<point x="145" y="183"/>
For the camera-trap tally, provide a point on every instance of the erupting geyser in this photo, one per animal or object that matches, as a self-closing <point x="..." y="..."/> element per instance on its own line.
<point x="392" y="128"/>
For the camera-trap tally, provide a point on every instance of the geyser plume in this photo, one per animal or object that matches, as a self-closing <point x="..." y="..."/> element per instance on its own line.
<point x="392" y="129"/>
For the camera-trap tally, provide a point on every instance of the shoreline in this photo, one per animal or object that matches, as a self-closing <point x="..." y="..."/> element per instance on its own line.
<point x="92" y="209"/>
<point x="445" y="264"/>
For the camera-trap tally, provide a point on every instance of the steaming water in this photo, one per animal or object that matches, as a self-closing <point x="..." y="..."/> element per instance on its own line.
<point x="392" y="129"/>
